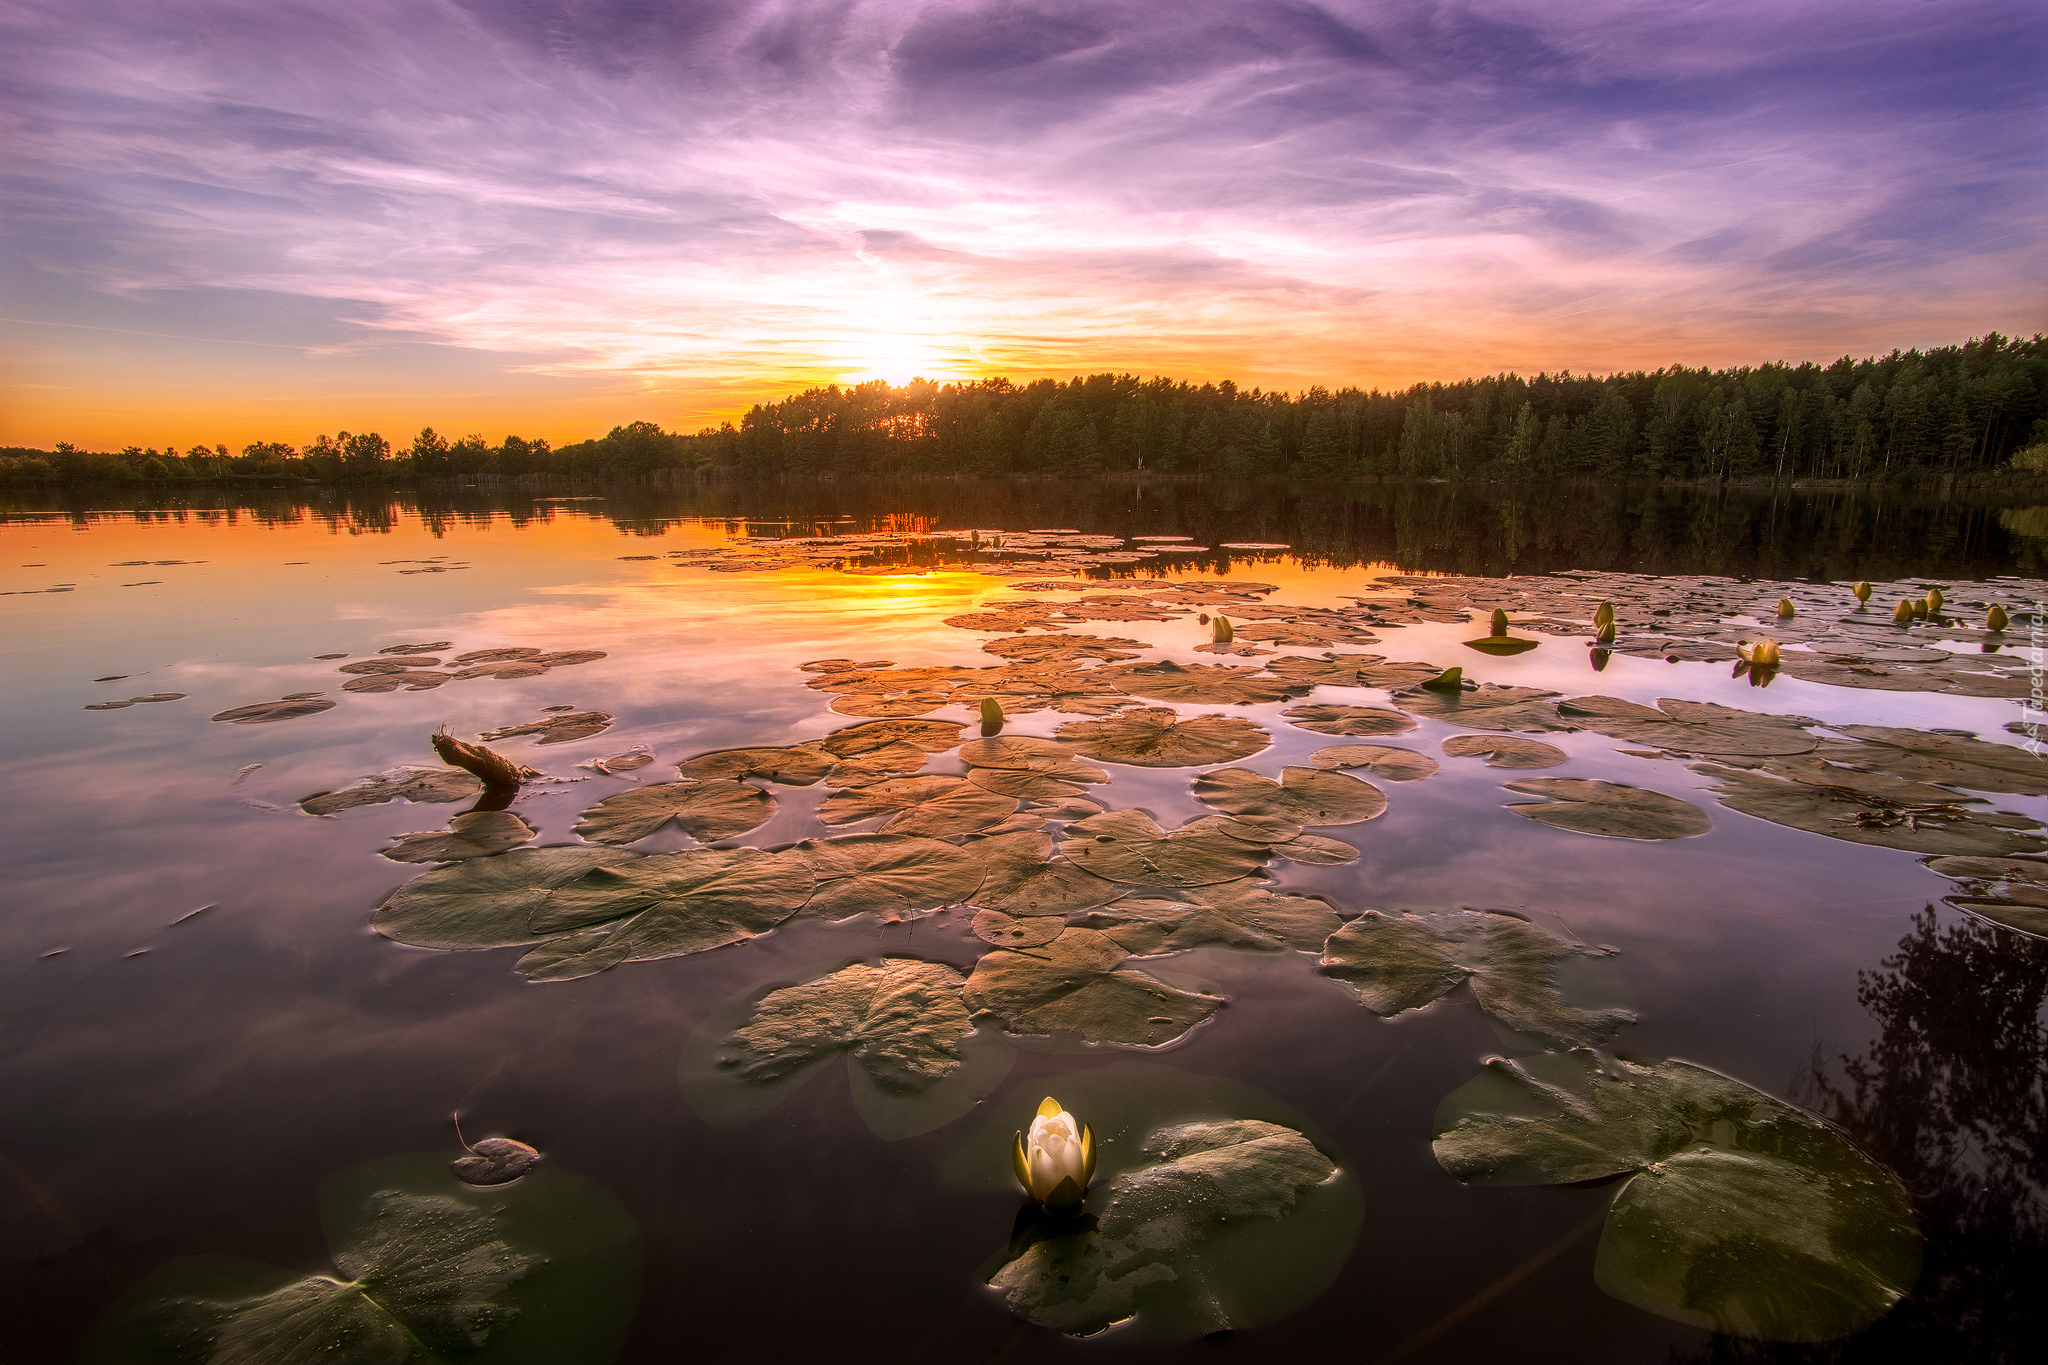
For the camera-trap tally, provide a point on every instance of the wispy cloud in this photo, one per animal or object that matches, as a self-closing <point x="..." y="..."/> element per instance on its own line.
<point x="715" y="202"/>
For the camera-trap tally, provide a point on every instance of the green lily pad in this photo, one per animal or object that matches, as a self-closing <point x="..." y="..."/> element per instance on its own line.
<point x="1740" y="1214"/>
<point x="892" y="876"/>
<point x="1399" y="962"/>
<point x="1199" y="684"/>
<point x="1243" y="914"/>
<point x="1074" y="986"/>
<point x="914" y="1061"/>
<point x="542" y="1272"/>
<point x="485" y="902"/>
<point x="1611" y="810"/>
<point x="1505" y="751"/>
<point x="1302" y="796"/>
<point x="716" y="809"/>
<point x="1489" y="707"/>
<point x="1953" y="760"/>
<point x="1128" y="846"/>
<point x="263" y="712"/>
<point x="1692" y="727"/>
<point x="932" y="807"/>
<point x="2009" y="891"/>
<point x="560" y="728"/>
<point x="433" y="785"/>
<point x="664" y="905"/>
<point x="1357" y="721"/>
<point x="792" y="765"/>
<point x="1384" y="761"/>
<point x="1214" y="1206"/>
<point x="1502" y="645"/>
<point x="1948" y="828"/>
<point x="1021" y="877"/>
<point x="472" y="834"/>
<point x="1157" y="737"/>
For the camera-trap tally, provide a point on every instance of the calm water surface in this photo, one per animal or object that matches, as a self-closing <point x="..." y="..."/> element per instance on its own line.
<point x="178" y="1089"/>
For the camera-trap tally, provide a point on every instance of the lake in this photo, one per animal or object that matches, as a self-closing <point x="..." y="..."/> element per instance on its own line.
<point x="1727" y="1014"/>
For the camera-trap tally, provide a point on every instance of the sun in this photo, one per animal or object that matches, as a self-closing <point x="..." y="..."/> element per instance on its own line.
<point x="898" y="358"/>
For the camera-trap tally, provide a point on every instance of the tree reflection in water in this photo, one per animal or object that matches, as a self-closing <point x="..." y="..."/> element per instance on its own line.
<point x="1954" y="1095"/>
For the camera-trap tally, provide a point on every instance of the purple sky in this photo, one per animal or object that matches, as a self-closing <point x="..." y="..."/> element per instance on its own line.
<point x="231" y="220"/>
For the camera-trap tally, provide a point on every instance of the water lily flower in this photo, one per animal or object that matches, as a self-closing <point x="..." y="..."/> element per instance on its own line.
<point x="1862" y="591"/>
<point x="1903" y="613"/>
<point x="1605" y="615"/>
<point x="1921" y="609"/>
<point x="1224" y="632"/>
<point x="1606" y="635"/>
<point x="1761" y="653"/>
<point x="1996" y="618"/>
<point x="1934" y="599"/>
<point x="991" y="711"/>
<point x="1785" y="609"/>
<point x="1056" y="1162"/>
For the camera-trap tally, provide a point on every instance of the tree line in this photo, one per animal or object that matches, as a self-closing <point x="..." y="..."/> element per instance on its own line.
<point x="1908" y="417"/>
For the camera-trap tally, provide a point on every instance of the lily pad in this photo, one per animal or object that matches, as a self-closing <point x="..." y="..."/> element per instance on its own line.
<point x="1692" y="727"/>
<point x="1074" y="985"/>
<point x="891" y="760"/>
<point x="794" y="765"/>
<point x="932" y="806"/>
<point x="263" y="712"/>
<point x="472" y="834"/>
<point x="1505" y="751"/>
<point x="1127" y="846"/>
<point x="485" y="902"/>
<point x="707" y="811"/>
<point x="1740" y="1214"/>
<point x="494" y="1161"/>
<point x="665" y="905"/>
<point x="2010" y="891"/>
<point x="1244" y="914"/>
<point x="1352" y="670"/>
<point x="1948" y="828"/>
<point x="930" y="736"/>
<point x="1157" y="737"/>
<point x="1016" y="931"/>
<point x="558" y="729"/>
<point x="413" y="680"/>
<point x="1060" y="649"/>
<point x="1302" y="796"/>
<point x="1489" y="707"/>
<point x="892" y="876"/>
<point x="1021" y="877"/>
<point x="1953" y="760"/>
<point x="427" y="785"/>
<point x="427" y="1268"/>
<point x="1384" y="761"/>
<point x="1609" y="809"/>
<point x="1502" y="645"/>
<point x="1359" y="721"/>
<point x="1025" y="753"/>
<point x="1396" y="962"/>
<point x="1201" y="684"/>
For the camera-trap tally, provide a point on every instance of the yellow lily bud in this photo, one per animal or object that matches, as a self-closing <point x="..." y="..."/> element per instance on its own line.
<point x="1500" y="622"/>
<point x="1785" y="609"/>
<point x="1903" y="613"/>
<point x="1450" y="680"/>
<point x="1222" y="630"/>
<point x="1605" y="615"/>
<point x="1920" y="610"/>
<point x="1606" y="635"/>
<point x="1996" y="619"/>
<point x="992" y="711"/>
<point x="1862" y="591"/>
<point x="1934" y="599"/>
<point x="1057" y="1160"/>
<point x="1759" y="653"/>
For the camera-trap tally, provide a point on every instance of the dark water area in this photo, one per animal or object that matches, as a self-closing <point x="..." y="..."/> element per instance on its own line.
<point x="207" y="1050"/>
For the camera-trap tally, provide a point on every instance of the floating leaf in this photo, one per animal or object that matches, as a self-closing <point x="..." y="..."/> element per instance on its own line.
<point x="1243" y="914"/>
<point x="1609" y="809"/>
<point x="558" y="729"/>
<point x="1157" y="737"/>
<point x="893" y="876"/>
<point x="430" y="785"/>
<point x="2011" y="891"/>
<point x="427" y="1268"/>
<point x="1016" y="931"/>
<point x="1384" y="761"/>
<point x="494" y="1161"/>
<point x="1505" y="751"/>
<point x="496" y="656"/>
<point x="1314" y="848"/>
<point x="1953" y="760"/>
<point x="291" y="708"/>
<point x="1399" y="962"/>
<point x="1073" y="985"/>
<point x="707" y="811"/>
<point x="1303" y="796"/>
<point x="484" y="902"/>
<point x="930" y="736"/>
<point x="472" y="834"/>
<point x="1361" y="721"/>
<point x="1201" y="684"/>
<point x="901" y="1021"/>
<point x="1351" y="670"/>
<point x="1020" y="876"/>
<point x="1127" y="846"/>
<point x="410" y="681"/>
<point x="1840" y="814"/>
<point x="1741" y="1214"/>
<point x="1489" y="707"/>
<point x="373" y="667"/>
<point x="1692" y="727"/>
<point x="1502" y="645"/>
<point x="933" y="806"/>
<point x="891" y="760"/>
<point x="1060" y="649"/>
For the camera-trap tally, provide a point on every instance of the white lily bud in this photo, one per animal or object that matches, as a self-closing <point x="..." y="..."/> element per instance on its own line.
<point x="1056" y="1162"/>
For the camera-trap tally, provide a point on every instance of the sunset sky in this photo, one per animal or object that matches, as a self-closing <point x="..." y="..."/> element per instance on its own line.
<point x="267" y="219"/>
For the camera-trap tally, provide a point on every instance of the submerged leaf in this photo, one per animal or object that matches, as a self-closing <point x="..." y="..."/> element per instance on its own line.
<point x="1302" y="796"/>
<point x="707" y="811"/>
<point x="432" y="785"/>
<point x="893" y="876"/>
<point x="1609" y="809"/>
<point x="1384" y="761"/>
<point x="1156" y="737"/>
<point x="1505" y="751"/>
<point x="1741" y="1214"/>
<point x="1400" y="962"/>
<point x="901" y="1021"/>
<point x="1073" y="985"/>
<point x="1360" y="721"/>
